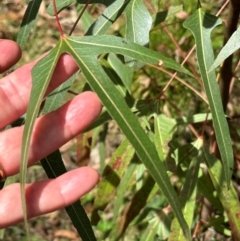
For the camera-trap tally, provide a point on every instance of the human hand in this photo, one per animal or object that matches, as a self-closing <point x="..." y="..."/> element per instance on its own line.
<point x="50" y="132"/>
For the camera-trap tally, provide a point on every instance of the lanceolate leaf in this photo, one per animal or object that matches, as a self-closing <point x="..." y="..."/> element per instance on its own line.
<point x="96" y="45"/>
<point x="201" y="25"/>
<point x="138" y="25"/>
<point x="230" y="47"/>
<point x="56" y="98"/>
<point x="124" y="72"/>
<point x="41" y="78"/>
<point x="109" y="16"/>
<point x="28" y="22"/>
<point x="114" y="77"/>
<point x="193" y="119"/>
<point x="164" y="128"/>
<point x="52" y="164"/>
<point x="118" y="109"/>
<point x="54" y="167"/>
<point x="139" y="22"/>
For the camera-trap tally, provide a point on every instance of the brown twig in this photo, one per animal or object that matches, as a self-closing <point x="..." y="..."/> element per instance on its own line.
<point x="226" y="70"/>
<point x="174" y="76"/>
<point x="234" y="77"/>
<point x="182" y="53"/>
<point x="79" y="17"/>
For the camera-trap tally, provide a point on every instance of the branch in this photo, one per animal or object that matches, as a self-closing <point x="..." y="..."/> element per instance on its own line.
<point x="226" y="70"/>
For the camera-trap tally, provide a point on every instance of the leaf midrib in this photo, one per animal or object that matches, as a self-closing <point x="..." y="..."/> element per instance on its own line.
<point x="143" y="148"/>
<point x="210" y="89"/>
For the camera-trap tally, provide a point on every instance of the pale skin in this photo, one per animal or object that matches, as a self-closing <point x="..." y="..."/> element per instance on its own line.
<point x="50" y="132"/>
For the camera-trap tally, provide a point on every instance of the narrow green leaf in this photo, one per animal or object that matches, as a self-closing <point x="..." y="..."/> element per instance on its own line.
<point x="139" y="22"/>
<point x="163" y="129"/>
<point x="123" y="71"/>
<point x="96" y="45"/>
<point x="42" y="74"/>
<point x="229" y="48"/>
<point x="114" y="77"/>
<point x="28" y="22"/>
<point x="227" y="194"/>
<point x="201" y="25"/>
<point x="138" y="25"/>
<point x="54" y="167"/>
<point x="187" y="198"/>
<point x="118" y="109"/>
<point x="56" y="98"/>
<point x="193" y="119"/>
<point x="109" y="16"/>
<point x="112" y="176"/>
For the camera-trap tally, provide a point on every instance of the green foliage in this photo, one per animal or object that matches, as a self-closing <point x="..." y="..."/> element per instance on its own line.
<point x="231" y="46"/>
<point x="205" y="24"/>
<point x="28" y="22"/>
<point x="156" y="181"/>
<point x="75" y="211"/>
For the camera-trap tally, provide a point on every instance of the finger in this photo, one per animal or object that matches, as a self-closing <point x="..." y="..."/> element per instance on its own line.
<point x="45" y="196"/>
<point x="15" y="88"/>
<point x="50" y="132"/>
<point x="10" y="54"/>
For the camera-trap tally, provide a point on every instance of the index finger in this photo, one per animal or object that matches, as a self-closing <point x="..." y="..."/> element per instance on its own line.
<point x="10" y="54"/>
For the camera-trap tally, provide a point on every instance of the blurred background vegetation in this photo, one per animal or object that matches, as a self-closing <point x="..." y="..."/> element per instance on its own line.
<point x="183" y="97"/>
